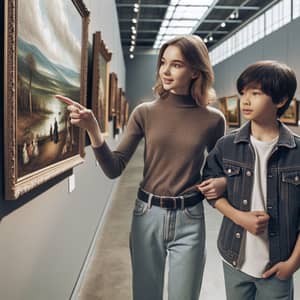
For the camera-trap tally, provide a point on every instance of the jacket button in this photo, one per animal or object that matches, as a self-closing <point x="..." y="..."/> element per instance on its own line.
<point x="248" y="173"/>
<point x="245" y="202"/>
<point x="234" y="263"/>
<point x="238" y="235"/>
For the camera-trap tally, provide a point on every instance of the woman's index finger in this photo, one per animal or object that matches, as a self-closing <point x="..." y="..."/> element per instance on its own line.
<point x="68" y="101"/>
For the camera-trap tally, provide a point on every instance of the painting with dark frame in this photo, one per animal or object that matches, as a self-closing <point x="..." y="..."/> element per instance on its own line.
<point x="100" y="89"/>
<point x="118" y="108"/>
<point x="231" y="108"/>
<point x="44" y="56"/>
<point x="113" y="91"/>
<point x="291" y="115"/>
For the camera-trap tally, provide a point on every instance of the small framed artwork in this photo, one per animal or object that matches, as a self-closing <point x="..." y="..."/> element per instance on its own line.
<point x="100" y="86"/>
<point x="119" y="108"/>
<point x="45" y="55"/>
<point x="230" y="106"/>
<point x="290" y="116"/>
<point x="126" y="112"/>
<point x="113" y="92"/>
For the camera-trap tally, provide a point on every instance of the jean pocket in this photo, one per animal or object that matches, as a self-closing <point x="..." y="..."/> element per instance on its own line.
<point x="195" y="212"/>
<point x="140" y="208"/>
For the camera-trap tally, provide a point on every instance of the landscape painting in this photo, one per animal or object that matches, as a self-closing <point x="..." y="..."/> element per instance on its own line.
<point x="48" y="57"/>
<point x="233" y="111"/>
<point x="100" y="89"/>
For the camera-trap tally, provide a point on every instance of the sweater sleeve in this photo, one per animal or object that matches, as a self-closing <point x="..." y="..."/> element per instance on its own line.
<point x="218" y="132"/>
<point x="114" y="162"/>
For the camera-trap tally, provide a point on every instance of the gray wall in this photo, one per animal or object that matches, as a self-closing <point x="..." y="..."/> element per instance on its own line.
<point x="140" y="78"/>
<point x="281" y="45"/>
<point x="44" y="241"/>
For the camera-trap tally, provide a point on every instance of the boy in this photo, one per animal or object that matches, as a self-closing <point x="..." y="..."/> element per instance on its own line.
<point x="259" y="238"/>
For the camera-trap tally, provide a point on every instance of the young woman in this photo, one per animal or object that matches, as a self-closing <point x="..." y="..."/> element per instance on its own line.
<point x="177" y="127"/>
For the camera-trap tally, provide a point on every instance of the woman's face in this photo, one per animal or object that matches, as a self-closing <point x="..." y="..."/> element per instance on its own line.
<point x="174" y="71"/>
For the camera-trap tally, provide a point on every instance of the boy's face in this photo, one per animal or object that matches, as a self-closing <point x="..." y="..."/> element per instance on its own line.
<point x="257" y="106"/>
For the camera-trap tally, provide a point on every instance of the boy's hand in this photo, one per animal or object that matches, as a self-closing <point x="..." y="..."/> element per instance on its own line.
<point x="212" y="188"/>
<point x="282" y="270"/>
<point x="253" y="221"/>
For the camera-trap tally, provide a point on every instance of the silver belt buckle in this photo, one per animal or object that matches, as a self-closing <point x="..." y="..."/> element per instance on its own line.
<point x="182" y="202"/>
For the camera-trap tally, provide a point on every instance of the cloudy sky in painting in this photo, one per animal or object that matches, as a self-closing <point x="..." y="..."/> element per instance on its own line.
<point x="54" y="26"/>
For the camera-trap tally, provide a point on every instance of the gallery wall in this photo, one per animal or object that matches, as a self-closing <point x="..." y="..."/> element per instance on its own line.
<point x="45" y="236"/>
<point x="280" y="45"/>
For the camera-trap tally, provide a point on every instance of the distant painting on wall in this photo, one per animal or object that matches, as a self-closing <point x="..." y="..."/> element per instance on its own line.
<point x="113" y="91"/>
<point x="46" y="55"/>
<point x="100" y="89"/>
<point x="290" y="116"/>
<point x="231" y="109"/>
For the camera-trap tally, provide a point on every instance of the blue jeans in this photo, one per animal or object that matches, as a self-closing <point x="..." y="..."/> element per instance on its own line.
<point x="158" y="232"/>
<point x="240" y="286"/>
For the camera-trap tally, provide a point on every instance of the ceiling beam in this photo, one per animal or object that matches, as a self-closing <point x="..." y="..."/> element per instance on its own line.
<point x="160" y="20"/>
<point x="143" y="5"/>
<point x="232" y="7"/>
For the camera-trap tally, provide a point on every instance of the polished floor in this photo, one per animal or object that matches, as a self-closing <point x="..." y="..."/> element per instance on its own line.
<point x="108" y="276"/>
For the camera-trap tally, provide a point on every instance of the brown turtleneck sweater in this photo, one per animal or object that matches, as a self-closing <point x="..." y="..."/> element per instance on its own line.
<point x="176" y="133"/>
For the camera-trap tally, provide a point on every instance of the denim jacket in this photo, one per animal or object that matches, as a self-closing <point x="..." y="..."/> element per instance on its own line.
<point x="233" y="156"/>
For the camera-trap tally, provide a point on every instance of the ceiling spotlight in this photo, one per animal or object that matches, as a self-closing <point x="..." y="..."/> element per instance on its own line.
<point x="132" y="28"/>
<point x="205" y="40"/>
<point x="234" y="15"/>
<point x="131" y="56"/>
<point x="132" y="42"/>
<point x="135" y="9"/>
<point x="223" y="24"/>
<point x="131" y="49"/>
<point x="136" y="5"/>
<point x="134" y="20"/>
<point x="133" y="37"/>
<point x="211" y="38"/>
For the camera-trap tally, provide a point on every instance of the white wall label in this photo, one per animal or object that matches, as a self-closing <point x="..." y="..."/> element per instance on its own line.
<point x="71" y="183"/>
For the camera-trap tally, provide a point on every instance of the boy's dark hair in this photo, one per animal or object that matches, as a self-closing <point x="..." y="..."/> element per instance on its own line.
<point x="275" y="79"/>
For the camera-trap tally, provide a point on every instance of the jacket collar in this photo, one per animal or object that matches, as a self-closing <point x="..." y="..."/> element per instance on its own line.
<point x="286" y="136"/>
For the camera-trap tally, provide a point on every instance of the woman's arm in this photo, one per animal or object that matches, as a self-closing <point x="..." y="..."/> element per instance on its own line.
<point x="111" y="162"/>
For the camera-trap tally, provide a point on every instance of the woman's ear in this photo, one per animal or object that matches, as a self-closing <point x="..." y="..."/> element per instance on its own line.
<point x="195" y="74"/>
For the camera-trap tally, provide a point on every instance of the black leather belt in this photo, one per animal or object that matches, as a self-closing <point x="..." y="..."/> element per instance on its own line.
<point x="179" y="202"/>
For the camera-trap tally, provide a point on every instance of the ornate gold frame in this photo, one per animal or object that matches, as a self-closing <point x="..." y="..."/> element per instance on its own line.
<point x="14" y="186"/>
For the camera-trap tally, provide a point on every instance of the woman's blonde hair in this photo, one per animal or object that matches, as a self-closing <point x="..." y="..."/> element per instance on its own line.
<point x="196" y="55"/>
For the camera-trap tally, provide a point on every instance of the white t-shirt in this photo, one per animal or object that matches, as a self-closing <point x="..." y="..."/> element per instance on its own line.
<point x="256" y="247"/>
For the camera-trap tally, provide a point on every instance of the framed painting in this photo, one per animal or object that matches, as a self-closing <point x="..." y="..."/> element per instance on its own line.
<point x="44" y="56"/>
<point x="122" y="110"/>
<point x="100" y="87"/>
<point x="119" y="108"/>
<point x="230" y="106"/>
<point x="126" y="112"/>
<point x="290" y="116"/>
<point x="113" y="91"/>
